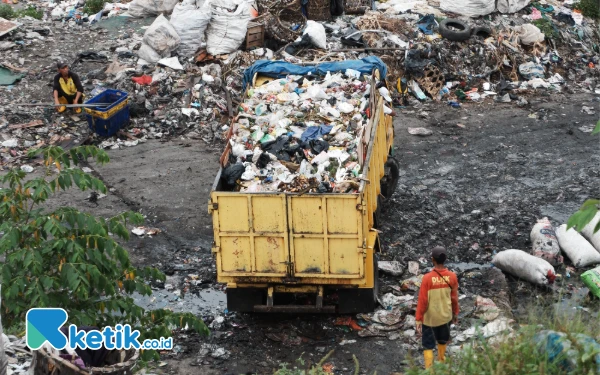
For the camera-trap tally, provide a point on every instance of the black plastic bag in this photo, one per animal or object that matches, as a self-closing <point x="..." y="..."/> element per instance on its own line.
<point x="232" y="173"/>
<point x="336" y="7"/>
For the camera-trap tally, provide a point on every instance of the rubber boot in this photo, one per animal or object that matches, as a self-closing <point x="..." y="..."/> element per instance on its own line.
<point x="428" y="355"/>
<point x="442" y="352"/>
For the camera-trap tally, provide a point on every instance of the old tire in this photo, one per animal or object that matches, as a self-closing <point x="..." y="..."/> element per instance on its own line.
<point x="390" y="178"/>
<point x="482" y="32"/>
<point x="377" y="214"/>
<point x="455" y="30"/>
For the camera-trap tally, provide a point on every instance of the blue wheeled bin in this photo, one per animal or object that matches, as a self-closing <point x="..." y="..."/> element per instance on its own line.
<point x="106" y="121"/>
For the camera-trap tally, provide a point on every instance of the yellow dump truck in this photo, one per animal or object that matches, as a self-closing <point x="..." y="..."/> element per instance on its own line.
<point x="271" y="247"/>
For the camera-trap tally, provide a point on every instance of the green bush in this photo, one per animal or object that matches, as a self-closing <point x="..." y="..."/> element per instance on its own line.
<point x="94" y="6"/>
<point x="32" y="12"/>
<point x="7" y="12"/>
<point x="518" y="354"/>
<point x="68" y="259"/>
<point x="588" y="8"/>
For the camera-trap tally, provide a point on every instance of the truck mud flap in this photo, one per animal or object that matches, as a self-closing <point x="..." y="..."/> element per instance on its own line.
<point x="354" y="301"/>
<point x="244" y="299"/>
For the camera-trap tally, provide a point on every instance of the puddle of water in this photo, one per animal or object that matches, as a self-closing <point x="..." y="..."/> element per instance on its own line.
<point x="206" y="302"/>
<point x="466" y="267"/>
<point x="116" y="24"/>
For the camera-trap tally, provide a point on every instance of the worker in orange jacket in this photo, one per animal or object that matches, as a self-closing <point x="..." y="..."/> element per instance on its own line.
<point x="437" y="307"/>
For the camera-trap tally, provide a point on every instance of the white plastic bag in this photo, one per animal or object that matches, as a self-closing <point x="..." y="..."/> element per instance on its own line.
<point x="190" y="23"/>
<point x="581" y="252"/>
<point x="588" y="232"/>
<point x="525" y="266"/>
<point x="544" y="242"/>
<point x="227" y="28"/>
<point x="162" y="37"/>
<point x="529" y="34"/>
<point x="147" y="8"/>
<point x="470" y="8"/>
<point x="511" y="6"/>
<point x="149" y="54"/>
<point x="316" y="33"/>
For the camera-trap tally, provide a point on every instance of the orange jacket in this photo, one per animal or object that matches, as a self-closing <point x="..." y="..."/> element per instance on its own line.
<point x="437" y="301"/>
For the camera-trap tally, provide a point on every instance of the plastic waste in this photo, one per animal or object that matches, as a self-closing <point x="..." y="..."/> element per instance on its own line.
<point x="559" y="348"/>
<point x="591" y="279"/>
<point x="393" y="268"/>
<point x="525" y="266"/>
<point x="530" y="70"/>
<point x="317" y="34"/>
<point x="470" y="8"/>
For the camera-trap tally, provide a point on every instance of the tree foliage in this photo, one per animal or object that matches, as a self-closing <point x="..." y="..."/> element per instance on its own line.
<point x="69" y="259"/>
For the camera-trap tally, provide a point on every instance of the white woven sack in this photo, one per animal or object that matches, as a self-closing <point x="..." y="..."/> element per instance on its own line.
<point x="525" y="266"/>
<point x="588" y="232"/>
<point x="581" y="252"/>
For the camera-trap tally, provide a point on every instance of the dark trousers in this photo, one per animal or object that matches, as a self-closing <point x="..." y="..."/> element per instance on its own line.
<point x="435" y="335"/>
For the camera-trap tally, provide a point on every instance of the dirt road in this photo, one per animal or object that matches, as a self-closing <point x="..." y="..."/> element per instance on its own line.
<point x="476" y="185"/>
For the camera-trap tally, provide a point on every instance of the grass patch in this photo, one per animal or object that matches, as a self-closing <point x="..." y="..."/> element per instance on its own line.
<point x="519" y="354"/>
<point x="589" y="8"/>
<point x="32" y="12"/>
<point x="7" y="12"/>
<point x="317" y="369"/>
<point x="94" y="6"/>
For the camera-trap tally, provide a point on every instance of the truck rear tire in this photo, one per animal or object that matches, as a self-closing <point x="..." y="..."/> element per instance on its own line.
<point x="390" y="178"/>
<point x="244" y="299"/>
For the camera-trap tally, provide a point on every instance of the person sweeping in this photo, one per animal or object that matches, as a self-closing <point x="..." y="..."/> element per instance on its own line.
<point x="437" y="307"/>
<point x="67" y="88"/>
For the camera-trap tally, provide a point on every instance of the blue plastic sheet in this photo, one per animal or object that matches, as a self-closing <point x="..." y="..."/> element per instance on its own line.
<point x="315" y="132"/>
<point x="426" y="24"/>
<point x="280" y="69"/>
<point x="560" y="350"/>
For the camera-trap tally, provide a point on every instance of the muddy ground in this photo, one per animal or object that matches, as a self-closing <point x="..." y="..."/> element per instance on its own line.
<point x="476" y="185"/>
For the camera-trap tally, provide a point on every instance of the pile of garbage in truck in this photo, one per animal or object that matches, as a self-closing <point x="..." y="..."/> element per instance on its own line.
<point x="302" y="133"/>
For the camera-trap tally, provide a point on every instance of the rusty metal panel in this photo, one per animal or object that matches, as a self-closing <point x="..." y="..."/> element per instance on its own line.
<point x="309" y="257"/>
<point x="326" y="235"/>
<point x="342" y="216"/>
<point x="251" y="234"/>
<point x="233" y="213"/>
<point x="307" y="214"/>
<point x="271" y="254"/>
<point x="235" y="254"/>
<point x="344" y="257"/>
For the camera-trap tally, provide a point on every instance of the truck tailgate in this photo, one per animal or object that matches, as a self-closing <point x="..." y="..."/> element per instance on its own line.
<point x="271" y="235"/>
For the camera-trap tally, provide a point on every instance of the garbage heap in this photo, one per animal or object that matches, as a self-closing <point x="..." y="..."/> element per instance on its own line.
<point x="181" y="70"/>
<point x="301" y="134"/>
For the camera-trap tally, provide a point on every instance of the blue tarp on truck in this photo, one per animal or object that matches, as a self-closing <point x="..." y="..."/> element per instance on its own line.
<point x="280" y="69"/>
